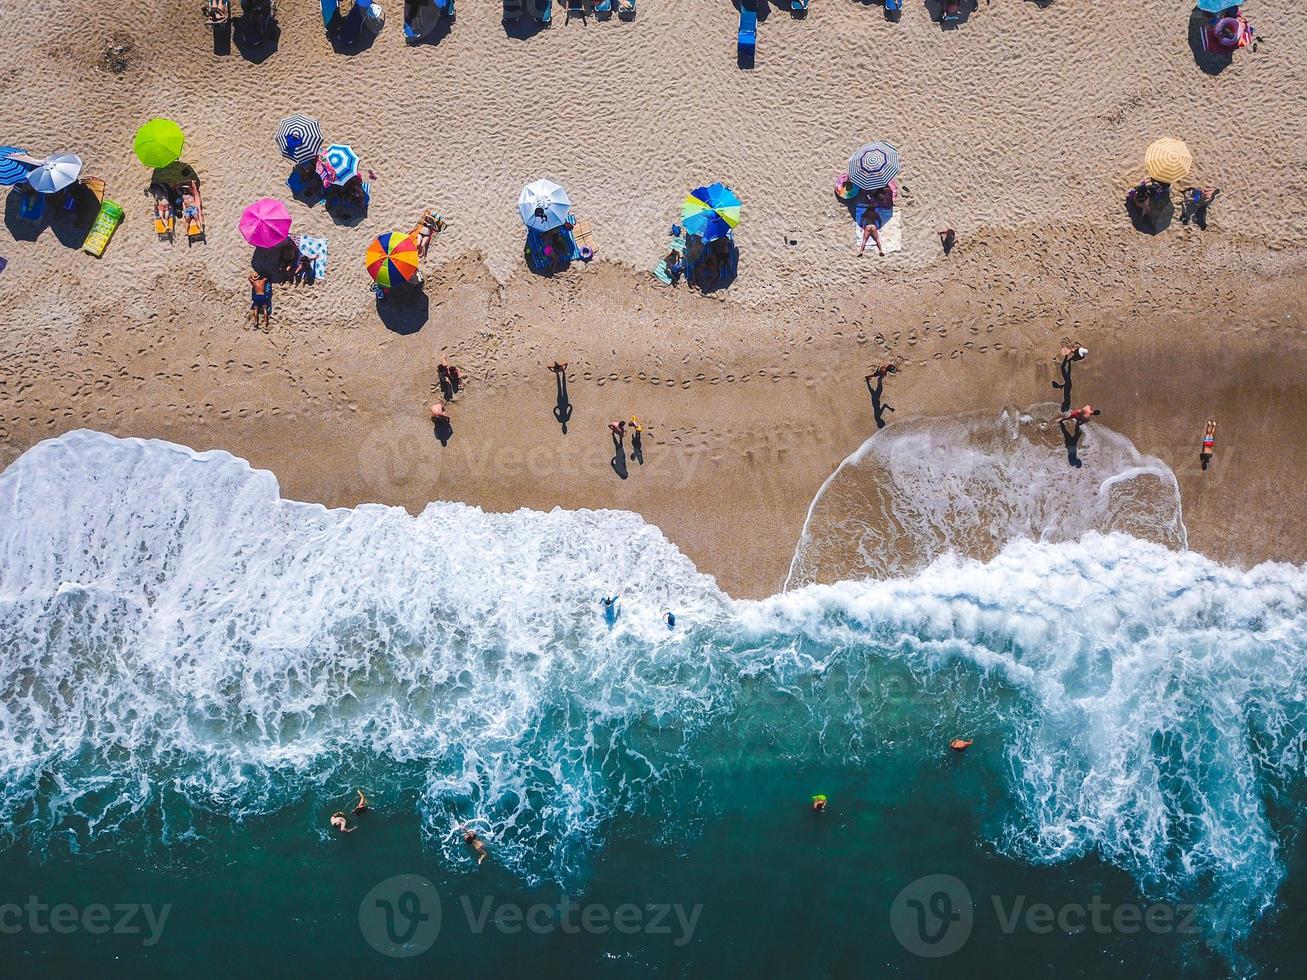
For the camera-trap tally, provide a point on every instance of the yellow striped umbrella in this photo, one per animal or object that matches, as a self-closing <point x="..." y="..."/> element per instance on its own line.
<point x="1168" y="160"/>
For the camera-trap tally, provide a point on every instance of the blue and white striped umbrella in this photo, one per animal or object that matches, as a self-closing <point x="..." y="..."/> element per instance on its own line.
<point x="299" y="137"/>
<point x="56" y="173"/>
<point x="874" y="165"/>
<point x="11" y="171"/>
<point x="342" y="161"/>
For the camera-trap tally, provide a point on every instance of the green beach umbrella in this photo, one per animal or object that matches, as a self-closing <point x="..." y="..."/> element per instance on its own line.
<point x="159" y="142"/>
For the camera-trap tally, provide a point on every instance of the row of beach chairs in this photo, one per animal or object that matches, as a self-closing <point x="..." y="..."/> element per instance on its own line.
<point x="542" y="10"/>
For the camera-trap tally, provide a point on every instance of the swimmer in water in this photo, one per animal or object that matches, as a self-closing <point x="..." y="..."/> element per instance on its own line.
<point x="669" y="618"/>
<point x="476" y="843"/>
<point x="819" y="803"/>
<point x="960" y="744"/>
<point x="338" y="822"/>
<point x="610" y="608"/>
<point x="362" y="805"/>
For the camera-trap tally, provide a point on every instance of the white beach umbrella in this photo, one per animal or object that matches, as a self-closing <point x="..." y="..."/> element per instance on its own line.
<point x="55" y="173"/>
<point x="543" y="205"/>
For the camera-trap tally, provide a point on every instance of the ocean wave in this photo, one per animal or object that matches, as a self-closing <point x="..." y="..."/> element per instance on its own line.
<point x="179" y="646"/>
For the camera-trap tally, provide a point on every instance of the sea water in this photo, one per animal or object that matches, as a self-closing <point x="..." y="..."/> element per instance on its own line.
<point x="195" y="673"/>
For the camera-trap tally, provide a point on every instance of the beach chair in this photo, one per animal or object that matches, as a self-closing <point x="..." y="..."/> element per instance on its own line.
<point x="31" y="207"/>
<point x="798" y="8"/>
<point x="163" y="219"/>
<point x="575" y="8"/>
<point x="893" y="9"/>
<point x="546" y="14"/>
<point x="194" y="222"/>
<point x="331" y="17"/>
<point x="747" y="37"/>
<point x="351" y="28"/>
<point x="626" y="9"/>
<point x="603" y="9"/>
<point x="661" y="272"/>
<point x="512" y="10"/>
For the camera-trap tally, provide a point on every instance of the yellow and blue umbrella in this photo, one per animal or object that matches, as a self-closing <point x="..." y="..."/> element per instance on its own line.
<point x="392" y="258"/>
<point x="711" y="212"/>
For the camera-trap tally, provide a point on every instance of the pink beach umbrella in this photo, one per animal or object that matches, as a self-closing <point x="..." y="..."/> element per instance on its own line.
<point x="266" y="223"/>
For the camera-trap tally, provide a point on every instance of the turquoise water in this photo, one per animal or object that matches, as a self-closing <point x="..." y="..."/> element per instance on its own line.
<point x="194" y="674"/>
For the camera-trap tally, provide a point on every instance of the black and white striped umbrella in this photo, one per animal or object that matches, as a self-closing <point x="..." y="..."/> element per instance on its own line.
<point x="299" y="138"/>
<point x="874" y="165"/>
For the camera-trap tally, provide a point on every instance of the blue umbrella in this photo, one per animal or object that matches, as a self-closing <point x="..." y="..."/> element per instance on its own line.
<point x="11" y="171"/>
<point x="1215" y="6"/>
<point x="710" y="212"/>
<point x="342" y="164"/>
<point x="874" y="165"/>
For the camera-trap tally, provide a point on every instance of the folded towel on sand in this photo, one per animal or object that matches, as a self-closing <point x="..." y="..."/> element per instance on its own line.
<point x="891" y="235"/>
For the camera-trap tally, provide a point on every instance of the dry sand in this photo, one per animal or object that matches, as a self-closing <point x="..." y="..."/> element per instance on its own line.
<point x="1022" y="130"/>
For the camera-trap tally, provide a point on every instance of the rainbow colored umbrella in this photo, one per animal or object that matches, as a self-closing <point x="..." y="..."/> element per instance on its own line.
<point x="711" y="212"/>
<point x="159" y="142"/>
<point x="266" y="223"/>
<point x="392" y="258"/>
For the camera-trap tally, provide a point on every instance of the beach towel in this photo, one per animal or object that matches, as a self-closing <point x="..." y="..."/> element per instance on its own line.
<point x="315" y="249"/>
<point x="890" y="226"/>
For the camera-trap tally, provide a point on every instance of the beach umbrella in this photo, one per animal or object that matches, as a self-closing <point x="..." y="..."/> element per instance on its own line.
<point x="56" y="173"/>
<point x="1214" y="6"/>
<point x="265" y="223"/>
<point x="543" y="205"/>
<point x="338" y="164"/>
<point x="159" y="142"/>
<point x="1167" y="160"/>
<point x="392" y="258"/>
<point x="711" y="212"/>
<point x="873" y="165"/>
<point x="12" y="171"/>
<point x="299" y="137"/>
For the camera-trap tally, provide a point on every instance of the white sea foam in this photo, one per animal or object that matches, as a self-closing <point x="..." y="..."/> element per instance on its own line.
<point x="973" y="482"/>
<point x="174" y="637"/>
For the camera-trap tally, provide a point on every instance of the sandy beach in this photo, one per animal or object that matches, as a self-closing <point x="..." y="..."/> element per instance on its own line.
<point x="1022" y="130"/>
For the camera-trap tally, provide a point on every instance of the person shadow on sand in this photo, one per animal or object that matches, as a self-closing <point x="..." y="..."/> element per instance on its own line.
<point x="562" y="404"/>
<point x="618" y="462"/>
<point x="1070" y="438"/>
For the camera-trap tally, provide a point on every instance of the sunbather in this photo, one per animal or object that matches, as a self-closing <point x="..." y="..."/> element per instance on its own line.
<point x="1146" y="194"/>
<point x="427" y="227"/>
<point x="260" y="299"/>
<point x="192" y="209"/>
<point x="288" y="257"/>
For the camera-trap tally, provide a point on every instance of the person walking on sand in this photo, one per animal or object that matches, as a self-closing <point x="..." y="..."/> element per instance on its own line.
<point x="260" y="299"/>
<point x="637" y="440"/>
<point x="558" y="367"/>
<point x="1071" y="352"/>
<point x="1079" y="415"/>
<point x="476" y="843"/>
<point x="455" y="377"/>
<point x="960" y="744"/>
<point x="438" y="413"/>
<point x="879" y="408"/>
<point x="446" y="385"/>
<point x="1209" y="441"/>
<point x="948" y="238"/>
<point x="338" y="822"/>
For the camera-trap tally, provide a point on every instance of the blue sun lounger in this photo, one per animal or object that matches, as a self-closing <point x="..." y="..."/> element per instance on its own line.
<point x="31" y="207"/>
<point x="799" y="8"/>
<point x="603" y="9"/>
<point x="748" y="35"/>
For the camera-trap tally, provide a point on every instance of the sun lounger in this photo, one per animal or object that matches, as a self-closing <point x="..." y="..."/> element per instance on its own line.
<point x="799" y="8"/>
<point x="603" y="9"/>
<point x="546" y="14"/>
<point x="747" y="38"/>
<point x="31" y="207"/>
<point x="194" y="222"/>
<point x="97" y="239"/>
<point x="512" y="10"/>
<point x="163" y="220"/>
<point x="661" y="272"/>
<point x="626" y="9"/>
<point x="575" y="8"/>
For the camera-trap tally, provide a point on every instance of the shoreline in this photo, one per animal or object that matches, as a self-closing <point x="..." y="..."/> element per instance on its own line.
<point x="737" y="442"/>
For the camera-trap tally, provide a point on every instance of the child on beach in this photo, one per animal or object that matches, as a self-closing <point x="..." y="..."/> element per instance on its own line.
<point x="1209" y="441"/>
